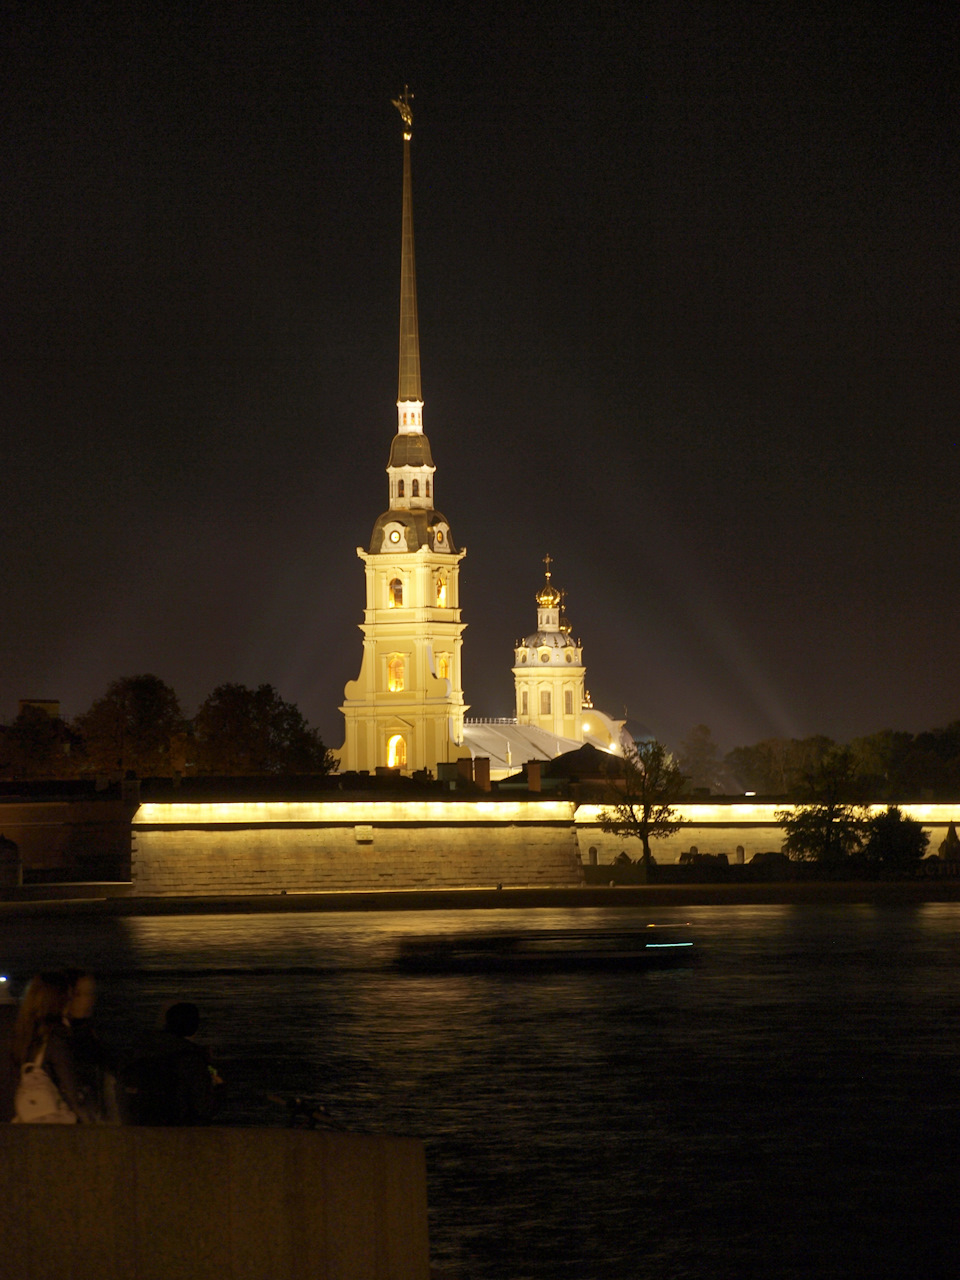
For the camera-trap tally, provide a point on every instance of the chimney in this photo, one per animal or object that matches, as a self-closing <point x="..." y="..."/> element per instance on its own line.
<point x="533" y="775"/>
<point x="481" y="772"/>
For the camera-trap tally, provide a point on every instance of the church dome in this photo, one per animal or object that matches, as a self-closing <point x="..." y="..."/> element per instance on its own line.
<point x="548" y="640"/>
<point x="546" y="649"/>
<point x="548" y="597"/>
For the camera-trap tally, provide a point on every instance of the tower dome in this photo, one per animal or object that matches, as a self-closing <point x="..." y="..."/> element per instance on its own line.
<point x="548" y="668"/>
<point x="548" y="597"/>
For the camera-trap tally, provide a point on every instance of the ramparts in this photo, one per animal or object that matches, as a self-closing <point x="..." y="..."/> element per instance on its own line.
<point x="250" y="847"/>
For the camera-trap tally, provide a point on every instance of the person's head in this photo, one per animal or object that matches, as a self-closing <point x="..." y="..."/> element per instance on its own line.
<point x="182" y="1019"/>
<point x="83" y="994"/>
<point x="42" y="1006"/>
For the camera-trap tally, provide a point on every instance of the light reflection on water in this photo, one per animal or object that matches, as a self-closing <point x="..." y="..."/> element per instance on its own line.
<point x="784" y="1107"/>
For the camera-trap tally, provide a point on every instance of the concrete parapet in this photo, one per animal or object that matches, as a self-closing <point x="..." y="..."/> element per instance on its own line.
<point x="95" y="1203"/>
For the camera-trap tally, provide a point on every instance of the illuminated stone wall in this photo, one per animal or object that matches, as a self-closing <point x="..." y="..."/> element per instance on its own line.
<point x="720" y="828"/>
<point x="268" y="848"/>
<point x="212" y="849"/>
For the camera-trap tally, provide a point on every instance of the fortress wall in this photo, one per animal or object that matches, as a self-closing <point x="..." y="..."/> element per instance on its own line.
<point x="61" y="835"/>
<point x="217" y="858"/>
<point x="720" y="827"/>
<point x="256" y="848"/>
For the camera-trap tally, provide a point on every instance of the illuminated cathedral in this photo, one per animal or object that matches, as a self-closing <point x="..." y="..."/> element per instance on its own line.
<point x="406" y="710"/>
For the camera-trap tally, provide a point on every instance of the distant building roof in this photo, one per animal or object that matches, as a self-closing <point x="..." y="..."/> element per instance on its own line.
<point x="509" y="745"/>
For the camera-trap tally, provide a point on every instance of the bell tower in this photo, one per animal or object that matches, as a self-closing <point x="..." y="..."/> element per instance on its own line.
<point x="548" y="671"/>
<point x="405" y="709"/>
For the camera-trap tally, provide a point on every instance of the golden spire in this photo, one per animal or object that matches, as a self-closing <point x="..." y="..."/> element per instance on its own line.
<point x="409" y="388"/>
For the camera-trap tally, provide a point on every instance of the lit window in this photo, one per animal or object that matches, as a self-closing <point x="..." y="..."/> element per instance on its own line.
<point x="523" y="657"/>
<point x="441" y="593"/>
<point x="428" y="488"/>
<point x="443" y="666"/>
<point x="415" y="491"/>
<point x="395" y="593"/>
<point x="395" y="673"/>
<point x="568" y="702"/>
<point x="400" y="489"/>
<point x="544" y="702"/>
<point x="524" y="703"/>
<point x="396" y="752"/>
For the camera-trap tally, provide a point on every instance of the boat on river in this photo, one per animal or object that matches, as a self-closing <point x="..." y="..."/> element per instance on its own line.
<point x="545" y="950"/>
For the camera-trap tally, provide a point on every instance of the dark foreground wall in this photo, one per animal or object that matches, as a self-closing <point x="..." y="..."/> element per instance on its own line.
<point x="89" y="1203"/>
<point x="84" y="837"/>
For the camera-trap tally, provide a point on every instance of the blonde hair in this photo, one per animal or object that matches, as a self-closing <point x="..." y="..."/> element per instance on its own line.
<point x="42" y="1006"/>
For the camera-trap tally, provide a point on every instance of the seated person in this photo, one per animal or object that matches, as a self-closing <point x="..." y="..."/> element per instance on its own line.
<point x="172" y="1081"/>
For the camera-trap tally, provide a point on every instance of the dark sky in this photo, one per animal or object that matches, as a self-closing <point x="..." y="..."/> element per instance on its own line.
<point x="688" y="285"/>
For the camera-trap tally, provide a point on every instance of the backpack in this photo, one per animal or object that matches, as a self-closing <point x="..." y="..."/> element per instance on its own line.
<point x="38" y="1100"/>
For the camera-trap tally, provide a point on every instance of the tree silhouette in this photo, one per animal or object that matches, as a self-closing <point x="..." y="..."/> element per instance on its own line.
<point x="38" y="745"/>
<point x="137" y="726"/>
<point x="699" y="758"/>
<point x="895" y="842"/>
<point x="828" y="827"/>
<point x="642" y="798"/>
<point x="240" y="731"/>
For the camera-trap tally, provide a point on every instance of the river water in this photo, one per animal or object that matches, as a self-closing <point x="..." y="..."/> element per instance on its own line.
<point x="784" y="1106"/>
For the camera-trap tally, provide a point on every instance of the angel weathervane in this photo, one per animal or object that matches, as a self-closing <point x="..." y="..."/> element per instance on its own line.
<point x="403" y="106"/>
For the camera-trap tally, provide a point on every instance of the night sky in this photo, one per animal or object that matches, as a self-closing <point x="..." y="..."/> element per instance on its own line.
<point x="688" y="293"/>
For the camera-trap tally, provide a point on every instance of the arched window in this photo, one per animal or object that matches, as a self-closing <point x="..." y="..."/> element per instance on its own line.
<point x="428" y="488"/>
<point x="395" y="673"/>
<point x="568" y="702"/>
<point x="524" y="703"/>
<point x="441" y="592"/>
<point x="395" y="593"/>
<point x="415" y="491"/>
<point x="399" y="488"/>
<point x="443" y="666"/>
<point x="396" y="752"/>
<point x="545" y="702"/>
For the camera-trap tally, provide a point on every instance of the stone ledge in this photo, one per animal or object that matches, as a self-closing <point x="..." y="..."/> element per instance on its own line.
<point x="211" y="1204"/>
